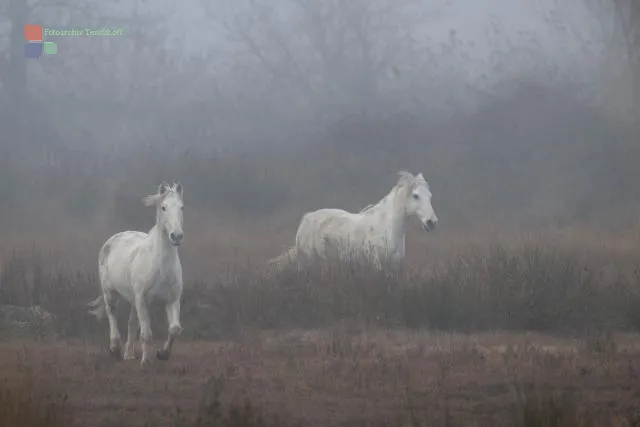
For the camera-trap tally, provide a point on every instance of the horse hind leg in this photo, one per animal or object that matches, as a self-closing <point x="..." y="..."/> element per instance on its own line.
<point x="132" y="331"/>
<point x="175" y="329"/>
<point x="110" y="300"/>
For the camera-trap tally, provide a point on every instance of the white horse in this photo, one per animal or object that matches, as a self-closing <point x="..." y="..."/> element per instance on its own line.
<point x="376" y="233"/>
<point x="141" y="268"/>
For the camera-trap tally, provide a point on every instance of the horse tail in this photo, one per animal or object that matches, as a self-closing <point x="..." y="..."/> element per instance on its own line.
<point x="283" y="260"/>
<point x="97" y="307"/>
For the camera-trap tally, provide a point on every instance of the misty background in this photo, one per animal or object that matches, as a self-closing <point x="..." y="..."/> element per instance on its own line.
<point x="518" y="113"/>
<point x="521" y="114"/>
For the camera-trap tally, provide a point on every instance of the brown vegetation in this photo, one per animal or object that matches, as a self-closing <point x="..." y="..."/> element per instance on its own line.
<point x="334" y="377"/>
<point x="350" y="347"/>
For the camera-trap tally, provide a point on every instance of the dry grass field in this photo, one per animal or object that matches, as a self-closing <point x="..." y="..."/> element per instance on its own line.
<point x="342" y="378"/>
<point x="522" y="329"/>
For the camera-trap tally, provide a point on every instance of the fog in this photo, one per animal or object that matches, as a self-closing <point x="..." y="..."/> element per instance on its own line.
<point x="522" y="115"/>
<point x="512" y="109"/>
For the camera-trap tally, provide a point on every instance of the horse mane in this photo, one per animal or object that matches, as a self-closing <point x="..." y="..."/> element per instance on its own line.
<point x="153" y="199"/>
<point x="163" y="190"/>
<point x="405" y="178"/>
<point x="366" y="208"/>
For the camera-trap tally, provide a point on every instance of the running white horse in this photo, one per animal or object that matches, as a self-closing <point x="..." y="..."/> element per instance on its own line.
<point x="142" y="268"/>
<point x="376" y="233"/>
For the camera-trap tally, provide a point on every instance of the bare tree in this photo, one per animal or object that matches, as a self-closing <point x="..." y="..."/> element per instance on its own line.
<point x="18" y="13"/>
<point x="324" y="49"/>
<point x="619" y="37"/>
<point x="628" y="14"/>
<point x="90" y="14"/>
<point x="105" y="88"/>
<point x="14" y="81"/>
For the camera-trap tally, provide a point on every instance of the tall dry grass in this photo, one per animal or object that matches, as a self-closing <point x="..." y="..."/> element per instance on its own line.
<point x="527" y="286"/>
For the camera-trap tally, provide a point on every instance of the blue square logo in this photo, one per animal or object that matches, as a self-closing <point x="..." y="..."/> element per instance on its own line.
<point x="33" y="50"/>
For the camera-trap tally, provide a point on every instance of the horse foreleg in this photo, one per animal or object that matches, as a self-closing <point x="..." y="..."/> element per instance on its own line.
<point x="175" y="329"/>
<point x="114" y="332"/>
<point x="132" y="331"/>
<point x="145" y="328"/>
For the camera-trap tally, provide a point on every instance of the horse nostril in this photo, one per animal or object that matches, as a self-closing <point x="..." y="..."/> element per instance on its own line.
<point x="176" y="236"/>
<point x="431" y="224"/>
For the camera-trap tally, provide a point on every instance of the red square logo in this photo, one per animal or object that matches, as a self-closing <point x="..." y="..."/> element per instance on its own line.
<point x="33" y="33"/>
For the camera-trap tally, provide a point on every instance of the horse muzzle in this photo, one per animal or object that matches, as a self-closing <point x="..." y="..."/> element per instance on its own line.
<point x="176" y="238"/>
<point x="429" y="225"/>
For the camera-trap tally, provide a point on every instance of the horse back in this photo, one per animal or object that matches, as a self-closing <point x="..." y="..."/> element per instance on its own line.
<point x="328" y="221"/>
<point x="325" y="227"/>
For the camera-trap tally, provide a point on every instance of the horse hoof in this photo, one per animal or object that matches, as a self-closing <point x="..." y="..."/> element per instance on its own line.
<point x="162" y="355"/>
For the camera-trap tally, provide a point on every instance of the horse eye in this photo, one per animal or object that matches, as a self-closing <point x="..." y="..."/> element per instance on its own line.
<point x="416" y="196"/>
<point x="164" y="208"/>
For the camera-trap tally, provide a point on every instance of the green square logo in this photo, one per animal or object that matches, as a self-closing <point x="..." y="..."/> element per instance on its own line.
<point x="50" y="48"/>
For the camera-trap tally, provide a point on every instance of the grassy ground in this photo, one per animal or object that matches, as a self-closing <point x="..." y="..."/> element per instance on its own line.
<point x="342" y="378"/>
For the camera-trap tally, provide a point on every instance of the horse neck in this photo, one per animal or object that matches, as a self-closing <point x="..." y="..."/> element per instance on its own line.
<point x="394" y="215"/>
<point x="160" y="243"/>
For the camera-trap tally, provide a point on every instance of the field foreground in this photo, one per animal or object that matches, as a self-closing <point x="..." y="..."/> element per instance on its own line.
<point x="341" y="378"/>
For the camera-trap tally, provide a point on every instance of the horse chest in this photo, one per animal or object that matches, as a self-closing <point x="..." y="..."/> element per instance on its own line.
<point x="163" y="284"/>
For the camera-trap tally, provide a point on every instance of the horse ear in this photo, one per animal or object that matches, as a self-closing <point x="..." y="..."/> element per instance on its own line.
<point x="178" y="188"/>
<point x="405" y="177"/>
<point x="163" y="187"/>
<point x="419" y="177"/>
